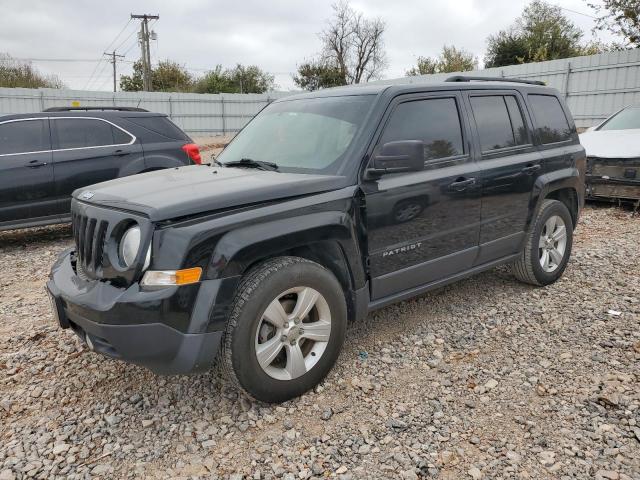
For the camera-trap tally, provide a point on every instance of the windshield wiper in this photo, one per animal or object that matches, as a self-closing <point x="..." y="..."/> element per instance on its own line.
<point x="250" y="163"/>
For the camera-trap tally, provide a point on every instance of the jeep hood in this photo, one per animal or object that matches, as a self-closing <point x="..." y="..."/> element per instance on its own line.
<point x="190" y="190"/>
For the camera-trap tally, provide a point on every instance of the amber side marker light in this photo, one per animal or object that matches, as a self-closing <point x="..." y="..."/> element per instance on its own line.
<point x="160" y="278"/>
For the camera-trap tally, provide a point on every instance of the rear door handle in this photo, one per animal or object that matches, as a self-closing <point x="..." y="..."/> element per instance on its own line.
<point x="529" y="169"/>
<point x="120" y="153"/>
<point x="36" y="164"/>
<point x="462" y="183"/>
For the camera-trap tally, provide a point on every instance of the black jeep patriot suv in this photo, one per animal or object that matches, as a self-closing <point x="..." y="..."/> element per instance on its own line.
<point x="327" y="205"/>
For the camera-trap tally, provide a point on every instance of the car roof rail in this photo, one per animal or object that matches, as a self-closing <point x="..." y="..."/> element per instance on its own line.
<point x="87" y="109"/>
<point x="465" y="78"/>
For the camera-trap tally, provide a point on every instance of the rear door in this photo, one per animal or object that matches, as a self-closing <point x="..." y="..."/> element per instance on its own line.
<point x="556" y="135"/>
<point x="88" y="150"/>
<point x="509" y="165"/>
<point x="26" y="173"/>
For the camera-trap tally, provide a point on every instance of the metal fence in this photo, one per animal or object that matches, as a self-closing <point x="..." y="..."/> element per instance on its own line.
<point x="595" y="86"/>
<point x="197" y="114"/>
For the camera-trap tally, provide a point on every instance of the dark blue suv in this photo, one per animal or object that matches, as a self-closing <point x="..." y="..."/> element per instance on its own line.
<point x="45" y="156"/>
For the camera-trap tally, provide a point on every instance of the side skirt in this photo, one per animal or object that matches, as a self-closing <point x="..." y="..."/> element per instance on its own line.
<point x="415" y="291"/>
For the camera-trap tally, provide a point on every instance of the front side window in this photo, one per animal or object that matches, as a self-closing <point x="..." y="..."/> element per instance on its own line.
<point x="551" y="123"/>
<point x="24" y="136"/>
<point x="627" y="119"/>
<point x="83" y="133"/>
<point x="304" y="136"/>
<point x="499" y="122"/>
<point x="435" y="121"/>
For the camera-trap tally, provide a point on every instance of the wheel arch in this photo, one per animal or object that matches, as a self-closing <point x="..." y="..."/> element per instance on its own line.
<point x="326" y="238"/>
<point x="569" y="197"/>
<point x="563" y="185"/>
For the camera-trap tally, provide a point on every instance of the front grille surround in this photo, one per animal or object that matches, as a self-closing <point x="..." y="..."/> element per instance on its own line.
<point x="97" y="232"/>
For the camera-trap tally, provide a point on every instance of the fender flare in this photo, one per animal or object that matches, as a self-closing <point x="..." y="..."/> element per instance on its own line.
<point x="238" y="249"/>
<point x="566" y="178"/>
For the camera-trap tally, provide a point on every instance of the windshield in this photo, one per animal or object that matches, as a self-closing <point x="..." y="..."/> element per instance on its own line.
<point x="304" y="136"/>
<point x="624" y="120"/>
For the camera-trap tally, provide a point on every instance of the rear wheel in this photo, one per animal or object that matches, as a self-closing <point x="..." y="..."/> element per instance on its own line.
<point x="285" y="330"/>
<point x="548" y="245"/>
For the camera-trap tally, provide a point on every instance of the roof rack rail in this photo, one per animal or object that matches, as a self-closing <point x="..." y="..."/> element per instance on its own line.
<point x="87" y="109"/>
<point x="464" y="78"/>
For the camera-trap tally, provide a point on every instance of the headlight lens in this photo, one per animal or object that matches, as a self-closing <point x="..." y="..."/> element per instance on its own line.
<point x="129" y="246"/>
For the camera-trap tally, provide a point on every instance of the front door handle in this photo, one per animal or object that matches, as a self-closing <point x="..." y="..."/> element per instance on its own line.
<point x="462" y="183"/>
<point x="530" y="169"/>
<point x="36" y="164"/>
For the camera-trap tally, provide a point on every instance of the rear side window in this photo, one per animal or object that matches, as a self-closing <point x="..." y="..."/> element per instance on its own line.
<point x="160" y="125"/>
<point x="551" y="123"/>
<point x="24" y="136"/>
<point x="499" y="122"/>
<point x="87" y="132"/>
<point x="435" y="121"/>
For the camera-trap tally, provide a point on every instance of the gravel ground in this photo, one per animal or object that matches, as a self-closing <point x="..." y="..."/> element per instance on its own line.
<point x="487" y="378"/>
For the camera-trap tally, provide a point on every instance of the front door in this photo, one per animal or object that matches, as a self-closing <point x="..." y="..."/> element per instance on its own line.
<point x="510" y="165"/>
<point x="26" y="173"/>
<point x="423" y="226"/>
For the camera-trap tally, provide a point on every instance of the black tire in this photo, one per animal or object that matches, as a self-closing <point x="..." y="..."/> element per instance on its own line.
<point x="528" y="268"/>
<point x="257" y="290"/>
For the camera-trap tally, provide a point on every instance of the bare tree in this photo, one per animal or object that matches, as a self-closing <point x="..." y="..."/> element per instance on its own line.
<point x="354" y="44"/>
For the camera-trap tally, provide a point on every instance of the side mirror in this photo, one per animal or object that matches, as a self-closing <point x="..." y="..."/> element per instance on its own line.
<point x="400" y="156"/>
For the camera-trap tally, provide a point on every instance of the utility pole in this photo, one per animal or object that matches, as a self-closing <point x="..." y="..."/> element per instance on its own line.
<point x="146" y="51"/>
<point x="113" y="62"/>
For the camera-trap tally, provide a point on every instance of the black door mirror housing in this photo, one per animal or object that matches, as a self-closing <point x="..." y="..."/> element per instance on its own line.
<point x="395" y="157"/>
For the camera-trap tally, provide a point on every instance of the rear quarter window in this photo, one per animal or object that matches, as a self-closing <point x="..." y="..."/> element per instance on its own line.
<point x="551" y="125"/>
<point x="160" y="125"/>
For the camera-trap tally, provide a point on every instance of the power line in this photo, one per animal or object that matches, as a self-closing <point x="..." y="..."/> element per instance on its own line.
<point x="135" y="30"/>
<point x="576" y="12"/>
<point x="115" y="39"/>
<point x="120" y="33"/>
<point x="61" y="60"/>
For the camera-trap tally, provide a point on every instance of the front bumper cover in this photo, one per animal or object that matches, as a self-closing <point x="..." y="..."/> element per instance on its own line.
<point x="140" y="327"/>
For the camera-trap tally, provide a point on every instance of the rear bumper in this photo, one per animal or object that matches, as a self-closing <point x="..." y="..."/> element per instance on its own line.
<point x="136" y="326"/>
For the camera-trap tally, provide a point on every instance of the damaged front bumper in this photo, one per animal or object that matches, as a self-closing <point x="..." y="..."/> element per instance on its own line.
<point x="613" y="179"/>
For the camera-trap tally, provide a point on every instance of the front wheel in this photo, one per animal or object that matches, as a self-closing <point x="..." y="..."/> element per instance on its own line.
<point x="548" y="245"/>
<point x="285" y="330"/>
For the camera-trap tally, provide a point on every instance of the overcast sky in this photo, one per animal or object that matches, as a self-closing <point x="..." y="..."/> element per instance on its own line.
<point x="275" y="35"/>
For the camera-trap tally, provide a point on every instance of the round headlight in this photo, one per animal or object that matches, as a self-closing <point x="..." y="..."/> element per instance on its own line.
<point x="129" y="246"/>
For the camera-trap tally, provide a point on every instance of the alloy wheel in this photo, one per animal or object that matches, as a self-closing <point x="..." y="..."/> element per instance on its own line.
<point x="552" y="244"/>
<point x="293" y="333"/>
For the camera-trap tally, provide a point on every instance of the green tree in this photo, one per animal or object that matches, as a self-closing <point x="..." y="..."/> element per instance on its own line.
<point x="17" y="74"/>
<point x="251" y="79"/>
<point x="507" y="47"/>
<point x="620" y="17"/>
<point x="450" y="60"/>
<point x="214" y="81"/>
<point x="542" y="32"/>
<point x="240" y="79"/>
<point x="168" y="76"/>
<point x="315" y="75"/>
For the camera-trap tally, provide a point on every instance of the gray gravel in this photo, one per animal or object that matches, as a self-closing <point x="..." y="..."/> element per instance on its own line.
<point x="487" y="378"/>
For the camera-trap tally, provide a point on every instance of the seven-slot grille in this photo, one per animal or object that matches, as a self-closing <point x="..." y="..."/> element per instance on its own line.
<point x="89" y="235"/>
